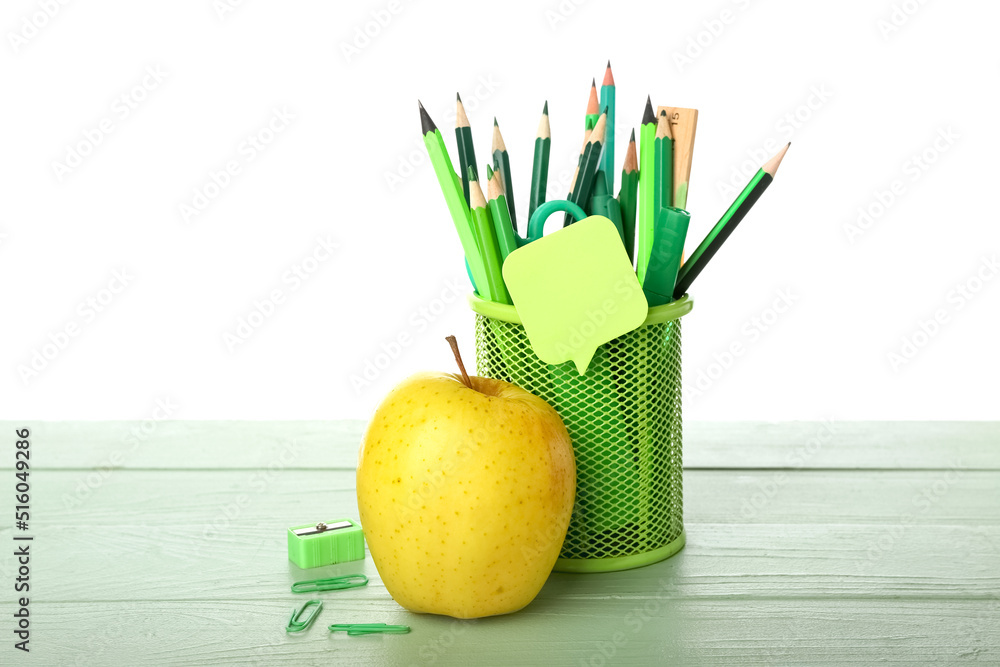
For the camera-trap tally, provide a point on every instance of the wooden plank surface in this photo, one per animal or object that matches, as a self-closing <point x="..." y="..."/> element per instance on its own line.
<point x="177" y="554"/>
<point x="328" y="444"/>
<point x="653" y="631"/>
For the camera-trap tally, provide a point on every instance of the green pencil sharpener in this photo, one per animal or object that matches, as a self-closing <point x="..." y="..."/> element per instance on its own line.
<point x="318" y="544"/>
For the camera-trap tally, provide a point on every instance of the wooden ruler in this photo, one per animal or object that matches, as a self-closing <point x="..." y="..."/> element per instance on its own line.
<point x="683" y="124"/>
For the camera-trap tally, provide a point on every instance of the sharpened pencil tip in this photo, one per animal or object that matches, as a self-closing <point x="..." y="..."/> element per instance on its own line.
<point x="458" y="97"/>
<point x="593" y="82"/>
<point x="632" y="138"/>
<point x="545" y="109"/>
<point x="609" y="78"/>
<point x="426" y="124"/>
<point x="647" y="115"/>
<point x="771" y="166"/>
<point x="495" y="123"/>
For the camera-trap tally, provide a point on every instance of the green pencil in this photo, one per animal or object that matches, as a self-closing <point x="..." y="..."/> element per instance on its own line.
<point x="501" y="163"/>
<point x="540" y="163"/>
<point x="593" y="108"/>
<point x="451" y="187"/>
<point x="466" y="152"/>
<point x="588" y="167"/>
<point x="483" y="227"/>
<point x="725" y="226"/>
<point x="603" y="203"/>
<point x="506" y="239"/>
<point x="647" y="181"/>
<point x="608" y="103"/>
<point x="663" y="169"/>
<point x="627" y="196"/>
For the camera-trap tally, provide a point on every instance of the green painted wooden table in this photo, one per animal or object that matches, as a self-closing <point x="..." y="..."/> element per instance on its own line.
<point x="808" y="543"/>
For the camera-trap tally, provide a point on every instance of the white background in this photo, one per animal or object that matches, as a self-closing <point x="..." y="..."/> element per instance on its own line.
<point x="858" y="95"/>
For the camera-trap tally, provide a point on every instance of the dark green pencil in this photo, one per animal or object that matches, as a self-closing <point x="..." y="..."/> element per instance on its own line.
<point x="501" y="163"/>
<point x="725" y="226"/>
<point x="588" y="167"/>
<point x="466" y="153"/>
<point x="540" y="164"/>
<point x="628" y="196"/>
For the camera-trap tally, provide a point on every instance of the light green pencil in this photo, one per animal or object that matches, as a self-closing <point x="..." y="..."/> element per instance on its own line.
<point x="647" y="183"/>
<point x="451" y="187"/>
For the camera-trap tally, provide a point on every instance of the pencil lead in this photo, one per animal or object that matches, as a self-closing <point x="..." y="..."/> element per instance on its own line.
<point x="426" y="124"/>
<point x="472" y="174"/>
<point x="489" y="172"/>
<point x="632" y="138"/>
<point x="545" y="109"/>
<point x="605" y="109"/>
<point x="648" y="116"/>
<point x="495" y="124"/>
<point x="593" y="82"/>
<point x="458" y="97"/>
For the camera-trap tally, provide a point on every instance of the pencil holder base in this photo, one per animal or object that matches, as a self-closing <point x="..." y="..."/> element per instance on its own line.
<point x="624" y="418"/>
<point x="587" y="565"/>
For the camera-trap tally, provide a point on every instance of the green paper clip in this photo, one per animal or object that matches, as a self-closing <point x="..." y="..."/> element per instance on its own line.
<point x="296" y="623"/>
<point x="333" y="584"/>
<point x="358" y="629"/>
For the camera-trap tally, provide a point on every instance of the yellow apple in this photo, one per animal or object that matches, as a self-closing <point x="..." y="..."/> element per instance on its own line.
<point x="465" y="492"/>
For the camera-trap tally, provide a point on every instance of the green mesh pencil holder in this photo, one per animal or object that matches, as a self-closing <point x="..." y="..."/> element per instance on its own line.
<point x="624" y="417"/>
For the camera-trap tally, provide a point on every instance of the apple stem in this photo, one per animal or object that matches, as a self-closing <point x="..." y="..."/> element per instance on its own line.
<point x="458" y="359"/>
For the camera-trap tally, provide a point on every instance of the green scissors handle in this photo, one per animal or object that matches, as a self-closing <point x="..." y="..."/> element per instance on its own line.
<point x="536" y="225"/>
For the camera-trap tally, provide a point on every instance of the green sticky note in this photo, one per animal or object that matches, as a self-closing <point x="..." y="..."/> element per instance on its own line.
<point x="575" y="290"/>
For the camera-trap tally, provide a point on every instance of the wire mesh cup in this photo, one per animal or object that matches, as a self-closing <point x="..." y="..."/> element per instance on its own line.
<point x="624" y="417"/>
